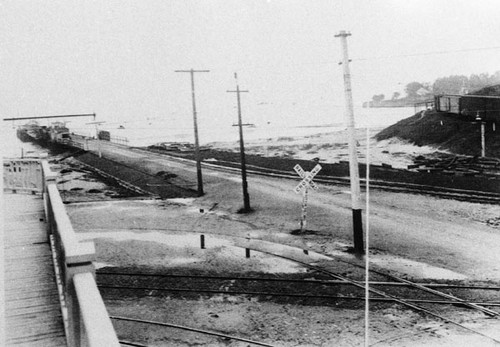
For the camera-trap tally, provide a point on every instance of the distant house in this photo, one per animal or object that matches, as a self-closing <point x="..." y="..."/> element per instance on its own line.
<point x="423" y="92"/>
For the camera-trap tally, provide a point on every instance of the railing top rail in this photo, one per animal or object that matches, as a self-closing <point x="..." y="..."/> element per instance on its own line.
<point x="98" y="327"/>
<point x="84" y="302"/>
<point x="48" y="174"/>
<point x="75" y="251"/>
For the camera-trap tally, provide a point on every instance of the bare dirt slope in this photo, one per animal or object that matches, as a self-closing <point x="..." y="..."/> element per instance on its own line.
<point x="446" y="132"/>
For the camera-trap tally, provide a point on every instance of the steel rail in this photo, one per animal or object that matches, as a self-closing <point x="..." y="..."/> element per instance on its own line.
<point x="486" y="311"/>
<point x="397" y="187"/>
<point x="134" y="344"/>
<point x="298" y="280"/>
<point x="206" y="332"/>
<point x="294" y="295"/>
<point x="383" y="294"/>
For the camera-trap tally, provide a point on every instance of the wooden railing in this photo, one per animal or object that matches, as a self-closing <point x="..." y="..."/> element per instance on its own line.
<point x="87" y="321"/>
<point x="22" y="175"/>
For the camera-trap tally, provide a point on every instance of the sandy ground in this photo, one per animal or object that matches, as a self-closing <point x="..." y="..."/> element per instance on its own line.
<point x="421" y="238"/>
<point x="332" y="147"/>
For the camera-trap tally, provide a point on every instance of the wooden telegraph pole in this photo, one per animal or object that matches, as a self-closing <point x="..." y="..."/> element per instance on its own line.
<point x="353" y="155"/>
<point x="196" y="142"/>
<point x="246" y="196"/>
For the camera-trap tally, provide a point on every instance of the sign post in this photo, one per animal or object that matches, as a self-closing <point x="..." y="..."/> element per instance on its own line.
<point x="303" y="186"/>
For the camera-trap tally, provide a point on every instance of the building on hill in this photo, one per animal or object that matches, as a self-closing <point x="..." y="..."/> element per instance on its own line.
<point x="469" y="106"/>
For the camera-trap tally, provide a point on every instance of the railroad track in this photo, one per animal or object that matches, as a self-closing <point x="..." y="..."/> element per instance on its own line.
<point x="392" y="186"/>
<point x="229" y="283"/>
<point x="420" y="297"/>
<point x="183" y="327"/>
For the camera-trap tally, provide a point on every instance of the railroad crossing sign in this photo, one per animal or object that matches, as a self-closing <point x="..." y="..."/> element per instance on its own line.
<point x="307" y="178"/>
<point x="303" y="186"/>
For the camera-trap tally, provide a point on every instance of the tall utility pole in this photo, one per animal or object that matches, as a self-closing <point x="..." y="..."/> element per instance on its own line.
<point x="246" y="196"/>
<point x="353" y="155"/>
<point x="196" y="142"/>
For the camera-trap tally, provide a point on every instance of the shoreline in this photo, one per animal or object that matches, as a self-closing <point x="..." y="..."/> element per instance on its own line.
<point x="332" y="147"/>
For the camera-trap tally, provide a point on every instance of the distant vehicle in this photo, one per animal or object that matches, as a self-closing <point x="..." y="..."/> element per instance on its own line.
<point x="104" y="135"/>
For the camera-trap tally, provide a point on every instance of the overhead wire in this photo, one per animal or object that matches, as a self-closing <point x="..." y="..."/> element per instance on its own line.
<point x="410" y="55"/>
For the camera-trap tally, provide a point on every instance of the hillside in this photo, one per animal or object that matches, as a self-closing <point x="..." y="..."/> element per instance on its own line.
<point x="493" y="90"/>
<point x="445" y="132"/>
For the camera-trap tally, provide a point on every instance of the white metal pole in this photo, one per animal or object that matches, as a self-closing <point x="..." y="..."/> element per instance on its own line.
<point x="353" y="156"/>
<point x="367" y="247"/>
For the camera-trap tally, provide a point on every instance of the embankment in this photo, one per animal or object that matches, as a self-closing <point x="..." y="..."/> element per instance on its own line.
<point x="133" y="172"/>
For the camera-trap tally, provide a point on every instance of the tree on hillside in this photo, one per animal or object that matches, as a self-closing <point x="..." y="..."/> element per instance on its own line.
<point x="483" y="80"/>
<point x="450" y="85"/>
<point x="456" y="84"/>
<point x="412" y="88"/>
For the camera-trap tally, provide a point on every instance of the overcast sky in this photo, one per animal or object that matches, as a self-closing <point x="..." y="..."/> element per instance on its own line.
<point x="117" y="58"/>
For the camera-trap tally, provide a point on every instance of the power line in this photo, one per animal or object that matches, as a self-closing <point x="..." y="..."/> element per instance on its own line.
<point x="428" y="53"/>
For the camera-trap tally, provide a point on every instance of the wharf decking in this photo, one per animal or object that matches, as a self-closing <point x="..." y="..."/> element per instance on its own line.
<point x="32" y="307"/>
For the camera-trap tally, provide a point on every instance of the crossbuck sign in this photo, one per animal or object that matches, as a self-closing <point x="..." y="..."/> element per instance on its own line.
<point x="307" y="182"/>
<point x="307" y="178"/>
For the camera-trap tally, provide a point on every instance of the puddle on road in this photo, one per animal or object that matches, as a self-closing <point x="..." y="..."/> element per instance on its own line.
<point x="415" y="269"/>
<point x="99" y="265"/>
<point x="223" y="249"/>
<point x="172" y="240"/>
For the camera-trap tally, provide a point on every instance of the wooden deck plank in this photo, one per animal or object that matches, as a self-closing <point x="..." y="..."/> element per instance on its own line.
<point x="30" y="255"/>
<point x="42" y="340"/>
<point x="34" y="302"/>
<point x="27" y="275"/>
<point x="32" y="307"/>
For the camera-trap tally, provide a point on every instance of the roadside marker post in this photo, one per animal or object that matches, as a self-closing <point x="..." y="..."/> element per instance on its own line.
<point x="303" y="186"/>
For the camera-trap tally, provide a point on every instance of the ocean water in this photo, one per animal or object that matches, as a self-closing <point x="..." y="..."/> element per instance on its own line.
<point x="153" y="131"/>
<point x="144" y="132"/>
<point x="12" y="147"/>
